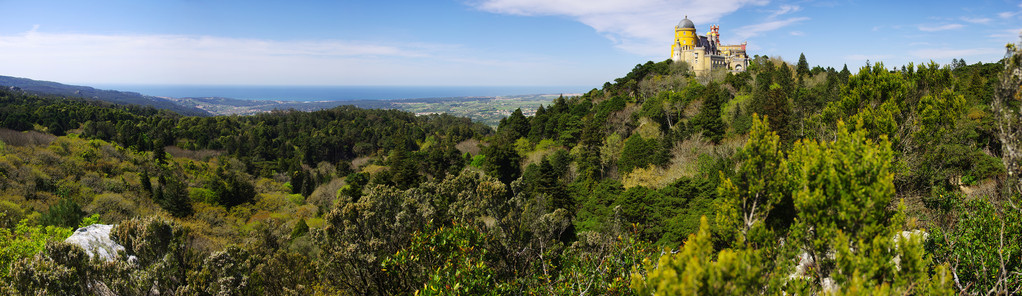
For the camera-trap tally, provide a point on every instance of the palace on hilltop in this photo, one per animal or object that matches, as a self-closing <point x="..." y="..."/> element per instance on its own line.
<point x="705" y="53"/>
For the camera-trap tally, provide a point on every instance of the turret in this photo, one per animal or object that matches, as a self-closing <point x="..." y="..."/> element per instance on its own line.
<point x="715" y="34"/>
<point x="684" y="36"/>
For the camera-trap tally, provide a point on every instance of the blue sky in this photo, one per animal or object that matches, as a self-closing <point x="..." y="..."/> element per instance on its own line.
<point x="466" y="42"/>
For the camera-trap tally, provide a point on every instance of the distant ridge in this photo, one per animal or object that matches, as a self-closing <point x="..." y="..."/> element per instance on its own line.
<point x="112" y="96"/>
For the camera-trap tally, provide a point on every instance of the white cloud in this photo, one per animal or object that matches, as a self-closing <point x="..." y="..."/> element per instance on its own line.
<point x="784" y="9"/>
<point x="1007" y="34"/>
<point x="750" y="31"/>
<point x="1010" y="14"/>
<point x="946" y="27"/>
<point x="639" y="26"/>
<point x="978" y="20"/>
<point x="180" y="59"/>
<point x="797" y="33"/>
<point x="944" y="53"/>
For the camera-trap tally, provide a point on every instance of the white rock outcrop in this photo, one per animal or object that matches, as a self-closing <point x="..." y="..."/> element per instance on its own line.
<point x="95" y="239"/>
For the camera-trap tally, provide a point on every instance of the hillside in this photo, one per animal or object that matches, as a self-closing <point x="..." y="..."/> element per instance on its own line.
<point x="781" y="180"/>
<point x="487" y="110"/>
<point x="112" y="96"/>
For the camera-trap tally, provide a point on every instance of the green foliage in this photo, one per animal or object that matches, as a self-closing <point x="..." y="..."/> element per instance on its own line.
<point x="223" y="273"/>
<point x="983" y="245"/>
<point x="938" y="114"/>
<point x="637" y="207"/>
<point x="94" y="219"/>
<point x="448" y="261"/>
<point x="844" y="190"/>
<point x="875" y="96"/>
<point x="404" y="171"/>
<point x="10" y="214"/>
<point x="697" y="270"/>
<point x="685" y="203"/>
<point x="357" y="237"/>
<point x="23" y="241"/>
<point x="802" y="69"/>
<point x="639" y="152"/>
<point x="147" y="184"/>
<point x="172" y="196"/>
<point x="356" y="182"/>
<point x="300" y="229"/>
<point x="516" y="125"/>
<point x="61" y="269"/>
<point x="709" y="118"/>
<point x="478" y="161"/>
<point x="202" y="195"/>
<point x="737" y="114"/>
<point x="66" y="213"/>
<point x="596" y="211"/>
<point x="231" y="188"/>
<point x="756" y="196"/>
<point x="502" y="160"/>
<point x="523" y="146"/>
<point x="150" y="239"/>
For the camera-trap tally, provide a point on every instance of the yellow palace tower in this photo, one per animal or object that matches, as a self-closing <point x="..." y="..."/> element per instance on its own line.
<point x="705" y="53"/>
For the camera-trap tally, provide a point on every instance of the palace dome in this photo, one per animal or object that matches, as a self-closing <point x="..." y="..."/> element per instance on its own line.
<point x="686" y="24"/>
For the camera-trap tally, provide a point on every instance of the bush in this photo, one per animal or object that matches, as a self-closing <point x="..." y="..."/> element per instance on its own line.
<point x="65" y="213"/>
<point x="201" y="195"/>
<point x="10" y="214"/>
<point x="112" y="207"/>
<point x="976" y="242"/>
<point x="985" y="166"/>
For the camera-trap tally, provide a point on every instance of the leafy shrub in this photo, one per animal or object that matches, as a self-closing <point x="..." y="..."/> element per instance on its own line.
<point x="977" y="242"/>
<point x="65" y="213"/>
<point x="24" y="241"/>
<point x="985" y="166"/>
<point x="10" y="214"/>
<point x="112" y="207"/>
<point x="201" y="195"/>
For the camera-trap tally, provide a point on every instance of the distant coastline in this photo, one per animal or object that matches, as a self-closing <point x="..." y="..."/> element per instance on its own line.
<point x="337" y="93"/>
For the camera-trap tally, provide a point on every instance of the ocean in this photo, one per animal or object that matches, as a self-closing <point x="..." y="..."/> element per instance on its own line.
<point x="339" y="93"/>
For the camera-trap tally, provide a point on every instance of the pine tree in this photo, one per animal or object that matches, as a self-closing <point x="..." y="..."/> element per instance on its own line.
<point x="803" y="67"/>
<point x="147" y="185"/>
<point x="172" y="196"/>
<point x="845" y="74"/>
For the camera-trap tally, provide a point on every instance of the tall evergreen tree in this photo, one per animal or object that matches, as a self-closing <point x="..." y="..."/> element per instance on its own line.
<point x="516" y="125"/>
<point x="845" y="74"/>
<point x="502" y="160"/>
<point x="803" y="67"/>
<point x="147" y="185"/>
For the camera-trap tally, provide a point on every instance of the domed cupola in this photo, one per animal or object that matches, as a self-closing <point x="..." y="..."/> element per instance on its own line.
<point x="686" y="24"/>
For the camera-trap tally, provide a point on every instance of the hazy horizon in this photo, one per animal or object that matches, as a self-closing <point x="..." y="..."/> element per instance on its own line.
<point x="335" y="93"/>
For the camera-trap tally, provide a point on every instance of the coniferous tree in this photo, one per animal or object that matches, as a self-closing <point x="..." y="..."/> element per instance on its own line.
<point x="845" y="74"/>
<point x="803" y="67"/>
<point x="175" y="198"/>
<point x="404" y="171"/>
<point x="550" y="185"/>
<point x="709" y="114"/>
<point x="516" y="125"/>
<point x="502" y="160"/>
<point x="147" y="184"/>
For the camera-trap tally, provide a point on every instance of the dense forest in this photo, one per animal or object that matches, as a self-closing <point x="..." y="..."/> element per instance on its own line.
<point x="782" y="179"/>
